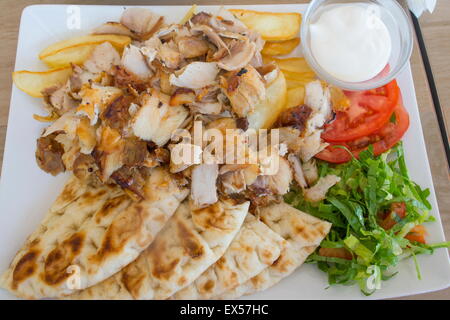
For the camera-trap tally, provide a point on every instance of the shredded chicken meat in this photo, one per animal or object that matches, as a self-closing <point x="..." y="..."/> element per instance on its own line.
<point x="118" y="114"/>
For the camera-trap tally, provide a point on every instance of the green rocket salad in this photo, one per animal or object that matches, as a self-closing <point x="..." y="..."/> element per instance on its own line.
<point x="369" y="186"/>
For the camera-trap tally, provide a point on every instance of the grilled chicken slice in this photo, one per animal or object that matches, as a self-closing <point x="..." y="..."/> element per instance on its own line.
<point x="318" y="99"/>
<point x="66" y="124"/>
<point x="196" y="75"/>
<point x="102" y="58"/>
<point x="150" y="49"/>
<point x="182" y="96"/>
<point x="203" y="185"/>
<point x="95" y="99"/>
<point x="319" y="191"/>
<point x="114" y="28"/>
<point x="86" y="134"/>
<point x="241" y="52"/>
<point x="291" y="138"/>
<point x="156" y="121"/>
<point x="58" y="99"/>
<point x="228" y="22"/>
<point x="211" y="35"/>
<point x="192" y="47"/>
<point x="108" y="153"/>
<point x="235" y="178"/>
<point x="278" y="183"/>
<point x="141" y="22"/>
<point x="169" y="55"/>
<point x="80" y="77"/>
<point x="298" y="172"/>
<point x="201" y="18"/>
<point x="244" y="88"/>
<point x="213" y="108"/>
<point x="311" y="145"/>
<point x="134" y="62"/>
<point x="310" y="171"/>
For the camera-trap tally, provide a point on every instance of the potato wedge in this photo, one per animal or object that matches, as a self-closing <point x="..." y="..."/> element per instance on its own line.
<point x="290" y="64"/>
<point x="75" y="54"/>
<point x="297" y="83"/>
<point x="291" y="75"/>
<point x="280" y="48"/>
<point x="118" y="41"/>
<point x="295" y="97"/>
<point x="273" y="26"/>
<point x="33" y="83"/>
<point x="267" y="111"/>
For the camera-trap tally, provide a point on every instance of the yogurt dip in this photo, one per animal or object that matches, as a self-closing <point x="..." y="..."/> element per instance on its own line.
<point x="350" y="41"/>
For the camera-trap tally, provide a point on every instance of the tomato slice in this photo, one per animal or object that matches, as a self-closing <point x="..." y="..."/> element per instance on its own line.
<point x="396" y="213"/>
<point x="382" y="140"/>
<point x="417" y="234"/>
<point x="368" y="111"/>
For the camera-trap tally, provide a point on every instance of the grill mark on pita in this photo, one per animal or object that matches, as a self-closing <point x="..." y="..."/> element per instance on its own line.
<point x="119" y="233"/>
<point x="221" y="263"/>
<point x="69" y="193"/>
<point x="182" y="281"/>
<point x="25" y="268"/>
<point x="164" y="271"/>
<point x="133" y="278"/>
<point x="208" y="286"/>
<point x="110" y="206"/>
<point x="90" y="197"/>
<point x="189" y="242"/>
<point x="257" y="280"/>
<point x="212" y="216"/>
<point x="282" y="264"/>
<point x="265" y="256"/>
<point x="164" y="268"/>
<point x="61" y="257"/>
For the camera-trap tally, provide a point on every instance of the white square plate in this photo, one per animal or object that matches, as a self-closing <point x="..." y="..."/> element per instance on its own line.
<point x="26" y="192"/>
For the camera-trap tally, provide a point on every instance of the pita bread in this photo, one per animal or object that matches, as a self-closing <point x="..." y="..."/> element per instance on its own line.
<point x="191" y="241"/>
<point x="255" y="248"/>
<point x="93" y="229"/>
<point x="303" y="233"/>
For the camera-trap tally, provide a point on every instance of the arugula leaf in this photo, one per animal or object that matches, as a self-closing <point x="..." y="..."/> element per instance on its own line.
<point x="367" y="188"/>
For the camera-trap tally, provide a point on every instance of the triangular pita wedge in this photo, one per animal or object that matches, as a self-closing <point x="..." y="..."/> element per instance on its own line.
<point x="253" y="249"/>
<point x="191" y="241"/>
<point x="90" y="233"/>
<point x="303" y="233"/>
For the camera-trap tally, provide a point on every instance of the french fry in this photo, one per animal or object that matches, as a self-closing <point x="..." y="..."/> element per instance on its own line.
<point x="290" y="64"/>
<point x="291" y="75"/>
<point x="118" y="41"/>
<point x="280" y="48"/>
<point x="266" y="112"/>
<point x="75" y="54"/>
<point x="295" y="97"/>
<point x="33" y="83"/>
<point x="273" y="26"/>
<point x="189" y="14"/>
<point x="297" y="83"/>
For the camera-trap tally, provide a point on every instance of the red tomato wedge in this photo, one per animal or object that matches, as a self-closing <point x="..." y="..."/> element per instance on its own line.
<point x="382" y="140"/>
<point x="368" y="111"/>
<point x="396" y="213"/>
<point x="417" y="234"/>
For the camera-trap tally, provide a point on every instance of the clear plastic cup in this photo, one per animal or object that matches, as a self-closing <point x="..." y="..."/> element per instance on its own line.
<point x="398" y="24"/>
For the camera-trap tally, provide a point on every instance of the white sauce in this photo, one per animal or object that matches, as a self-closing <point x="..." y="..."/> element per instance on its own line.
<point x="350" y="41"/>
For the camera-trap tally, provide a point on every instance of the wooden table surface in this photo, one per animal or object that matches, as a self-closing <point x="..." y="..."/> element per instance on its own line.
<point x="436" y="32"/>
